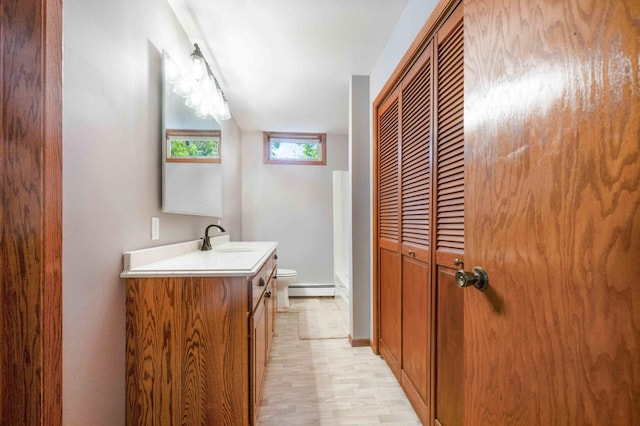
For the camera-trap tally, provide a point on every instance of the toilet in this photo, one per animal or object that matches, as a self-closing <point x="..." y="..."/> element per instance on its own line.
<point x="285" y="277"/>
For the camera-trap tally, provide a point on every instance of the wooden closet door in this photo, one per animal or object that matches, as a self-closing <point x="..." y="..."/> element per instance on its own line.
<point x="388" y="234"/>
<point x="416" y="123"/>
<point x="449" y="217"/>
<point x="553" y="212"/>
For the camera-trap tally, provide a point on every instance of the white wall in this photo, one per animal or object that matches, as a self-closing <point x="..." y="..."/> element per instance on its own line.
<point x="360" y="166"/>
<point x="341" y="231"/>
<point x="111" y="186"/>
<point x="409" y="24"/>
<point x="292" y="204"/>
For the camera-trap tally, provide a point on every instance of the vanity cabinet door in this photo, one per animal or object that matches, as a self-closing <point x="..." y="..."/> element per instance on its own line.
<point x="258" y="355"/>
<point x="187" y="351"/>
<point x="270" y="302"/>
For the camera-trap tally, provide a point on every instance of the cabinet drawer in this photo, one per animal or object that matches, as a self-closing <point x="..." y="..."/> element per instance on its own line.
<point x="259" y="282"/>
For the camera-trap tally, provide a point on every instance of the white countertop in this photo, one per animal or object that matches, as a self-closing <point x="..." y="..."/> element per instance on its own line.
<point x="227" y="258"/>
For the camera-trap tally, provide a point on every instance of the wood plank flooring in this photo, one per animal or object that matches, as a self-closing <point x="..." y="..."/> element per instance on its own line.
<point x="326" y="381"/>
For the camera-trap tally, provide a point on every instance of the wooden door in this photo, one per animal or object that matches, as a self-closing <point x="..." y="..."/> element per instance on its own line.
<point x="388" y="262"/>
<point x="416" y="124"/>
<point x="552" y="209"/>
<point x="449" y="195"/>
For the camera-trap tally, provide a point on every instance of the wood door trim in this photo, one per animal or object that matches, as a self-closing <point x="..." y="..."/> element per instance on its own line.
<point x="31" y="184"/>
<point x="52" y="216"/>
<point x="356" y="343"/>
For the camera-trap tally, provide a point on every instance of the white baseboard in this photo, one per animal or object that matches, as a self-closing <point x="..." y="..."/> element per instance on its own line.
<point x="311" y="290"/>
<point x="342" y="292"/>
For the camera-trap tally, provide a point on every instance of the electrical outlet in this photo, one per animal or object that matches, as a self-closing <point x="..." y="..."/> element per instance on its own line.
<point x="155" y="228"/>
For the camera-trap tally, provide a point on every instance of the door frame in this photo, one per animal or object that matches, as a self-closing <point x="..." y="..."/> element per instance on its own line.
<point x="31" y="215"/>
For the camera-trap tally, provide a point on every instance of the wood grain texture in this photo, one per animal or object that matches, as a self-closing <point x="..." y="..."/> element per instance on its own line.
<point x="153" y="352"/>
<point x="187" y="351"/>
<point x="215" y="382"/>
<point x="390" y="309"/>
<point x="417" y="123"/>
<point x="388" y="231"/>
<point x="388" y="172"/>
<point x="31" y="213"/>
<point x="406" y="212"/>
<point x="416" y="334"/>
<point x="449" y="136"/>
<point x="258" y="356"/>
<point x="552" y="127"/>
<point x="448" y="214"/>
<point x="449" y="380"/>
<point x="52" y="187"/>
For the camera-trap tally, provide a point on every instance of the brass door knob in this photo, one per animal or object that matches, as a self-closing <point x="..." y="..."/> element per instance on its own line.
<point x="478" y="278"/>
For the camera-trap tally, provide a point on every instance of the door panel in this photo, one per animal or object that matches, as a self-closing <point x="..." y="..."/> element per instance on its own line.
<point x="450" y="356"/>
<point x="416" y="335"/>
<point x="415" y="194"/>
<point x="388" y="229"/>
<point x="552" y="121"/>
<point x="390" y="309"/>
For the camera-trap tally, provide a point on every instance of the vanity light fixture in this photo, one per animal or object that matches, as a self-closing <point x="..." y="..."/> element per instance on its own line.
<point x="200" y="88"/>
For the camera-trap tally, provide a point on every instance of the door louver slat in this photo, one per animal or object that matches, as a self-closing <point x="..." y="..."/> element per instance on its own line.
<point x="416" y="157"/>
<point x="388" y="173"/>
<point x="450" y="144"/>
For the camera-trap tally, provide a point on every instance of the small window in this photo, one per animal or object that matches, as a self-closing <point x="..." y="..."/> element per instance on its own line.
<point x="295" y="148"/>
<point x="193" y="146"/>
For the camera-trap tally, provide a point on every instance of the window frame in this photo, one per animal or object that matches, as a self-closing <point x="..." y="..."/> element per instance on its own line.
<point x="187" y="133"/>
<point x="320" y="138"/>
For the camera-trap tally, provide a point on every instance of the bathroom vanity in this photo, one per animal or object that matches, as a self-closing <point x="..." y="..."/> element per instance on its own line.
<point x="199" y="331"/>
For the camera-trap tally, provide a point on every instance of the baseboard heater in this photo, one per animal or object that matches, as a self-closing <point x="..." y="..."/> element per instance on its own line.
<point x="311" y="290"/>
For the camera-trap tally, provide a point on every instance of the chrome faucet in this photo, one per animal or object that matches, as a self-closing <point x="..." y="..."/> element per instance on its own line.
<point x="206" y="245"/>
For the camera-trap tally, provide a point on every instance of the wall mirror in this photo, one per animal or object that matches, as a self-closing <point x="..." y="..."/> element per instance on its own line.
<point x="191" y="155"/>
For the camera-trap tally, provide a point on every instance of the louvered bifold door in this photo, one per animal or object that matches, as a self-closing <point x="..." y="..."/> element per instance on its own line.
<point x="416" y="157"/>
<point x="388" y="274"/>
<point x="415" y="188"/>
<point x="449" y="218"/>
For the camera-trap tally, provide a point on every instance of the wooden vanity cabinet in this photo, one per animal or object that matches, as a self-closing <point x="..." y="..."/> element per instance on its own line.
<point x="197" y="348"/>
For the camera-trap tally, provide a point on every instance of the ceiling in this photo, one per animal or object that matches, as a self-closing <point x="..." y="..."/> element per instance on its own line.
<point x="285" y="65"/>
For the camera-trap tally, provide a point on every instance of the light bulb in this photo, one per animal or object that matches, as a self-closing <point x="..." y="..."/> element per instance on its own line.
<point x="197" y="68"/>
<point x="208" y="85"/>
<point x="182" y="87"/>
<point x="194" y="99"/>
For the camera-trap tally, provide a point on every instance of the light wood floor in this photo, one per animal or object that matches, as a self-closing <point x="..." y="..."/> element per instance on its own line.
<point x="326" y="381"/>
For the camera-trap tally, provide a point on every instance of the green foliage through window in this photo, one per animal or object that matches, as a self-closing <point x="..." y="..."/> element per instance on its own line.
<point x="186" y="148"/>
<point x="294" y="150"/>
